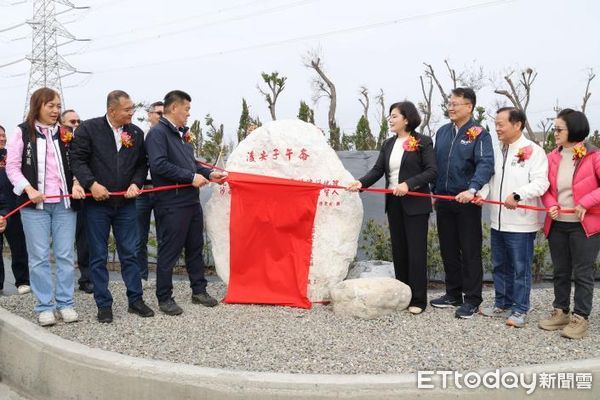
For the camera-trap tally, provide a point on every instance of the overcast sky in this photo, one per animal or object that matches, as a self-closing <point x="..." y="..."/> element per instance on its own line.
<point x="216" y="51"/>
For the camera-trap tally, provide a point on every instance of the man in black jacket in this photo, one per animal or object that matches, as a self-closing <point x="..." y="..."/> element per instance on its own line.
<point x="69" y="120"/>
<point x="107" y="155"/>
<point x="172" y="161"/>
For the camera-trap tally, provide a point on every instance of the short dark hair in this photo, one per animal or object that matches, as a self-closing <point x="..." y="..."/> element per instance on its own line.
<point x="514" y="115"/>
<point x="62" y="115"/>
<point x="113" y="97"/>
<point x="156" y="104"/>
<point x="466" y="93"/>
<point x="409" y="112"/>
<point x="2" y="129"/>
<point x="577" y="124"/>
<point x="176" y="96"/>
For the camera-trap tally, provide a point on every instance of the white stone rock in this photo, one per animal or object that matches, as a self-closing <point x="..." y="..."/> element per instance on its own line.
<point x="339" y="213"/>
<point x="370" y="298"/>
<point x="372" y="269"/>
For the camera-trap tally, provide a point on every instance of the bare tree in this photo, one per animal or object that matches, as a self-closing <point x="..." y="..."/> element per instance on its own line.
<point x="588" y="94"/>
<point x="380" y="99"/>
<point x="430" y="73"/>
<point x="452" y="73"/>
<point x="276" y="85"/>
<point x="425" y="105"/>
<point x="323" y="86"/>
<point x="364" y="92"/>
<point x="519" y="94"/>
<point x="383" y="124"/>
<point x="472" y="78"/>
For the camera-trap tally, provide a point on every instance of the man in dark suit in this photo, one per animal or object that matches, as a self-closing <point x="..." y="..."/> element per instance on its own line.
<point x="107" y="155"/>
<point x="172" y="161"/>
<point x="69" y="119"/>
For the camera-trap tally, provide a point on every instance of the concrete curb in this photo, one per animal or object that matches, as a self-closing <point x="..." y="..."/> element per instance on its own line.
<point x="45" y="366"/>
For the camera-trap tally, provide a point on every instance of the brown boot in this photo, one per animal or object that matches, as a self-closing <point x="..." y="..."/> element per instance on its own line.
<point x="577" y="328"/>
<point x="557" y="320"/>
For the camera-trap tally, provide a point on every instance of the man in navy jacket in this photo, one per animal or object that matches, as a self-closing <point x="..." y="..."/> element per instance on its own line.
<point x="179" y="214"/>
<point x="465" y="159"/>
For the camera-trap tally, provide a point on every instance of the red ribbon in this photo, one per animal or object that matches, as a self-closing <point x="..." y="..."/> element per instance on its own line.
<point x="434" y="196"/>
<point x="374" y="190"/>
<point x="142" y="191"/>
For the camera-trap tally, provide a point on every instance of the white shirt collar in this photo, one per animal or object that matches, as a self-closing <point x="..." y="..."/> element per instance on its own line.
<point x="118" y="128"/>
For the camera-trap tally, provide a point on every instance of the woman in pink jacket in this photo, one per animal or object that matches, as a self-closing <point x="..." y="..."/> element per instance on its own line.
<point x="574" y="239"/>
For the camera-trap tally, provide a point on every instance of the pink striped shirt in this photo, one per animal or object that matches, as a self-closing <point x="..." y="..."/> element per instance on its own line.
<point x="52" y="182"/>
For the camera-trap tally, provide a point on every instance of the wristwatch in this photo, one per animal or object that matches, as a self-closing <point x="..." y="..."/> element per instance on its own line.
<point x="516" y="197"/>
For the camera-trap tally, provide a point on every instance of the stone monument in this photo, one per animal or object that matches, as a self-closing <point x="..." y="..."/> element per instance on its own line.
<point x="295" y="150"/>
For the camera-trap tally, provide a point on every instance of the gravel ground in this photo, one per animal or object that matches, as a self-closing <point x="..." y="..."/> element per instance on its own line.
<point x="283" y="339"/>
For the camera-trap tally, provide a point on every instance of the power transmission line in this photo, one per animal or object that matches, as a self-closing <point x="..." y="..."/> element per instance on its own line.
<point x="359" y="28"/>
<point x="46" y="62"/>
<point x="180" y="31"/>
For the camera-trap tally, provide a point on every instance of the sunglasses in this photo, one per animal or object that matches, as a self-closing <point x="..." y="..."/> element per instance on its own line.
<point x="75" y="121"/>
<point x="160" y="113"/>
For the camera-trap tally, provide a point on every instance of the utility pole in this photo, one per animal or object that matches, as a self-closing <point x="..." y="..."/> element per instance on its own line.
<point x="46" y="62"/>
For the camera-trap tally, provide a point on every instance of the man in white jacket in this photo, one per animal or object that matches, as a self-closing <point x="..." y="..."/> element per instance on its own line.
<point x="520" y="178"/>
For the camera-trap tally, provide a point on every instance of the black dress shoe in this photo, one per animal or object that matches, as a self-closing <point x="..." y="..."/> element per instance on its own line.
<point x="205" y="299"/>
<point x="105" y="315"/>
<point x="87" y="287"/>
<point x="140" y="308"/>
<point x="169" y="307"/>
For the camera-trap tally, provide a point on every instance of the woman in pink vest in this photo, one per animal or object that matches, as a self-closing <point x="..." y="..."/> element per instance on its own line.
<point x="573" y="172"/>
<point x="38" y="167"/>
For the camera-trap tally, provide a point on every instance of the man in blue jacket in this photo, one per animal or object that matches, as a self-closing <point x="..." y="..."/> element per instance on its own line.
<point x="171" y="158"/>
<point x="465" y="159"/>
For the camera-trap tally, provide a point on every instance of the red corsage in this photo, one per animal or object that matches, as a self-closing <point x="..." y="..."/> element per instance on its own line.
<point x="66" y="136"/>
<point x="188" y="137"/>
<point x="126" y="140"/>
<point x="411" y="144"/>
<point x="579" y="151"/>
<point x="524" y="153"/>
<point x="473" y="132"/>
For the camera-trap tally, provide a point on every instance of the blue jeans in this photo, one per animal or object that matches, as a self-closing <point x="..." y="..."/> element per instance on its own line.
<point x="144" y="205"/>
<point x="54" y="224"/>
<point x="512" y="255"/>
<point x="99" y="218"/>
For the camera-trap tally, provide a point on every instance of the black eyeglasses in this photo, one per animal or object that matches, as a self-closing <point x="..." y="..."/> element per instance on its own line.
<point x="160" y="113"/>
<point x="559" y="130"/>
<point x="75" y="121"/>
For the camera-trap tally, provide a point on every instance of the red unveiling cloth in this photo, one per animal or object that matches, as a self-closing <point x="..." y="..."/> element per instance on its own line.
<point x="271" y="239"/>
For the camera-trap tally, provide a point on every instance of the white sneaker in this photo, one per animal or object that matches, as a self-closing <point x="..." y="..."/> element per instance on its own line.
<point x="68" y="314"/>
<point x="24" y="289"/>
<point x="46" y="318"/>
<point x="415" y="310"/>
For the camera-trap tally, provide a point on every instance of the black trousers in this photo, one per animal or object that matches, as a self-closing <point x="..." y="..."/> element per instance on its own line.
<point x="18" y="251"/>
<point x="180" y="229"/>
<point x="409" y="249"/>
<point x="83" y="251"/>
<point x="573" y="254"/>
<point x="460" y="235"/>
